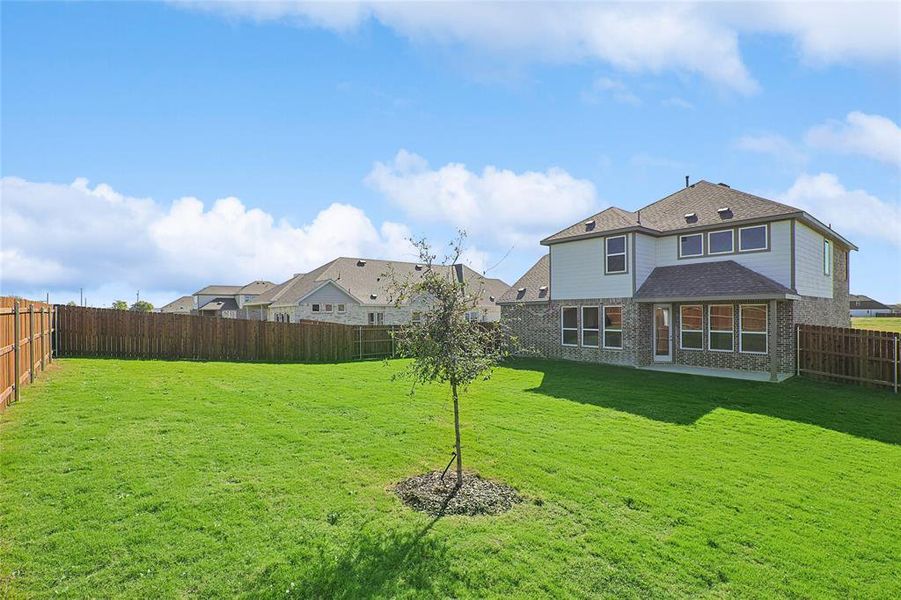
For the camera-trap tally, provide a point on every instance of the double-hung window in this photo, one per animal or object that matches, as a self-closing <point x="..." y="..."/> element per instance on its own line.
<point x="752" y="327"/>
<point x="613" y="327"/>
<point x="615" y="254"/>
<point x="827" y="257"/>
<point x="720" y="242"/>
<point x="376" y="318"/>
<point x="590" y="326"/>
<point x="691" y="330"/>
<point x="752" y="238"/>
<point x="720" y="327"/>
<point x="328" y="308"/>
<point x="317" y="307"/>
<point x="691" y="245"/>
<point x="569" y="325"/>
<point x="342" y="308"/>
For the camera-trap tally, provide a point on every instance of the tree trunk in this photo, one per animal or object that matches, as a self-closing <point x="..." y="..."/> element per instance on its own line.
<point x="457" y="433"/>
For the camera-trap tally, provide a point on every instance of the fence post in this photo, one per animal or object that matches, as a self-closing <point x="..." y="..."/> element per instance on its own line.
<point x="31" y="343"/>
<point x="360" y="334"/>
<point x="43" y="340"/>
<point x="798" y="350"/>
<point x="895" y="364"/>
<point x="17" y="357"/>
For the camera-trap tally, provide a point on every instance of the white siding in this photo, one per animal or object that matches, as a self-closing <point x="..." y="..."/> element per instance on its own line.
<point x="577" y="271"/>
<point x="775" y="263"/>
<point x="809" y="276"/>
<point x="328" y="294"/>
<point x="645" y="257"/>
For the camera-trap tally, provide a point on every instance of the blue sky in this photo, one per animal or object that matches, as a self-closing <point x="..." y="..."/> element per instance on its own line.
<point x="162" y="147"/>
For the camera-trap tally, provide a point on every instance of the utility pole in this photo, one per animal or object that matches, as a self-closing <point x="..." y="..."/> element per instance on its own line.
<point x="81" y="295"/>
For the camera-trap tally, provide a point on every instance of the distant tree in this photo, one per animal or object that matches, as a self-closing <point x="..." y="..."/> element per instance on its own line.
<point x="71" y="303"/>
<point x="444" y="345"/>
<point x="120" y="305"/>
<point x="142" y="306"/>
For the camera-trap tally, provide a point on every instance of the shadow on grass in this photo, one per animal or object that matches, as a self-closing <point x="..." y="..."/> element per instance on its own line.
<point x="373" y="563"/>
<point x="683" y="399"/>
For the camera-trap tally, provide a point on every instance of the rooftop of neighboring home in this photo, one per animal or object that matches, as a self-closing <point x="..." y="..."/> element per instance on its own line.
<point x="368" y="281"/>
<point x="183" y="304"/>
<point x="861" y="302"/>
<point x="255" y="288"/>
<point x="220" y="303"/>
<point x="218" y="290"/>
<point x="701" y="205"/>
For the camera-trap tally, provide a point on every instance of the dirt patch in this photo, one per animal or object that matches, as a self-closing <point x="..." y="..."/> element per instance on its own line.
<point x="430" y="494"/>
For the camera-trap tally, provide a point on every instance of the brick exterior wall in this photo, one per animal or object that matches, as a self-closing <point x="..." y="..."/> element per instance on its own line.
<point x="835" y="311"/>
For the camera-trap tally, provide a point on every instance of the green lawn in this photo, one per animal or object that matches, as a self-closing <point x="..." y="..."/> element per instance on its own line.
<point x="877" y="323"/>
<point x="175" y="479"/>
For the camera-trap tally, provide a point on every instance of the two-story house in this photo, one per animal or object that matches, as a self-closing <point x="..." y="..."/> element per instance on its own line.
<point x="707" y="277"/>
<point x="357" y="291"/>
<point x="228" y="301"/>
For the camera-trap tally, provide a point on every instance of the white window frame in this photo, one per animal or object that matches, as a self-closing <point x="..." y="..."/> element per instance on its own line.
<point x="765" y="332"/>
<point x="329" y="307"/>
<point x="416" y="317"/>
<point x="582" y="329"/>
<point x="576" y="328"/>
<point x="698" y="235"/>
<point x="682" y="328"/>
<point x="624" y="254"/>
<point x="342" y="308"/>
<point x="376" y="318"/>
<point x="316" y="307"/>
<point x="711" y="330"/>
<point x="603" y="316"/>
<point x="766" y="238"/>
<point x="827" y="257"/>
<point x="731" y="249"/>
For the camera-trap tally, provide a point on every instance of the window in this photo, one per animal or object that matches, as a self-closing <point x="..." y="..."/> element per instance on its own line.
<point x="316" y="308"/>
<point x="342" y="308"/>
<point x="691" y="329"/>
<point x="615" y="253"/>
<point x="328" y="308"/>
<point x="287" y="318"/>
<point x="278" y="317"/>
<point x="720" y="319"/>
<point x="691" y="245"/>
<point x="376" y="318"/>
<point x="752" y="328"/>
<point x="416" y="318"/>
<point x="720" y="242"/>
<point x="827" y="257"/>
<point x="590" y="326"/>
<point x="613" y="327"/>
<point x="472" y="316"/>
<point x="569" y="325"/>
<point x="752" y="238"/>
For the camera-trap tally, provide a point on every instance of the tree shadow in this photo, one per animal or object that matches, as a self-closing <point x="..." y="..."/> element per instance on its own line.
<point x="373" y="563"/>
<point x="683" y="399"/>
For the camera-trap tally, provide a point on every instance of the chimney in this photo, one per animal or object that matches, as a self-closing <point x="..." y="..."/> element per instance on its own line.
<point x="686" y="181"/>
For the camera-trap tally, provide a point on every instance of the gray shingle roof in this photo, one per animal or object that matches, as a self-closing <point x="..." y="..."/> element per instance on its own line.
<point x="183" y="304"/>
<point x="534" y="286"/>
<point x="256" y="287"/>
<point x="859" y="301"/>
<point x="225" y="303"/>
<point x="702" y="200"/>
<point x="367" y="281"/>
<point x="707" y="281"/>
<point x="218" y="290"/>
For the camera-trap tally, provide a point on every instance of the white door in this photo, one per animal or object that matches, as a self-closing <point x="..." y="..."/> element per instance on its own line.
<point x="663" y="333"/>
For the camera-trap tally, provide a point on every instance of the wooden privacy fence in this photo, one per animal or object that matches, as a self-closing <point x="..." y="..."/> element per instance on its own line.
<point x="26" y="329"/>
<point x="851" y="355"/>
<point x="111" y="333"/>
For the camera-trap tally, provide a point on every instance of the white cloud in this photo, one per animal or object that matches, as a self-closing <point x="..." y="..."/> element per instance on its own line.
<point x="604" y="86"/>
<point x="851" y="212"/>
<point x="773" y="145"/>
<point x="496" y="205"/>
<point x="676" y="102"/>
<point x="874" y="136"/>
<point x="58" y="236"/>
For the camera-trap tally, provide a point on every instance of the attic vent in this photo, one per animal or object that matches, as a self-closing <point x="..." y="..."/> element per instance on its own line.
<point x="724" y="212"/>
<point x="361" y="263"/>
<point x="691" y="217"/>
<point x="589" y="225"/>
<point x="373" y="296"/>
<point x="521" y="290"/>
<point x="419" y="267"/>
<point x="724" y="184"/>
<point x="542" y="288"/>
<point x="491" y="298"/>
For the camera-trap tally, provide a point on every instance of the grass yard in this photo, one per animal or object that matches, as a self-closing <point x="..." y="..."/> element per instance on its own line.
<point x="877" y="323"/>
<point x="176" y="479"/>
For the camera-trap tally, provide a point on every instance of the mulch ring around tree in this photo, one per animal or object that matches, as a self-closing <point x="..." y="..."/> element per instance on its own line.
<point x="430" y="494"/>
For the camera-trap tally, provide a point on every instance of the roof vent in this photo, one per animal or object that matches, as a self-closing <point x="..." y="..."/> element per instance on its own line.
<point x="361" y="263"/>
<point x="521" y="290"/>
<point x="724" y="212"/>
<point x="419" y="267"/>
<point x="691" y="217"/>
<point x="491" y="298"/>
<point x="373" y="296"/>
<point x="724" y="184"/>
<point x="589" y="225"/>
<point x="542" y="288"/>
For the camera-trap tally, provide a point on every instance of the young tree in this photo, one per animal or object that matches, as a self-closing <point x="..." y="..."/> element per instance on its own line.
<point x="142" y="306"/>
<point x="120" y="305"/>
<point x="444" y="345"/>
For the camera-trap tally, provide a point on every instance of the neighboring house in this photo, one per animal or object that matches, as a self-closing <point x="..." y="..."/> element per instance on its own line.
<point x="183" y="306"/>
<point x="229" y="301"/>
<point x="356" y="291"/>
<point x="706" y="277"/>
<point x="864" y="306"/>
